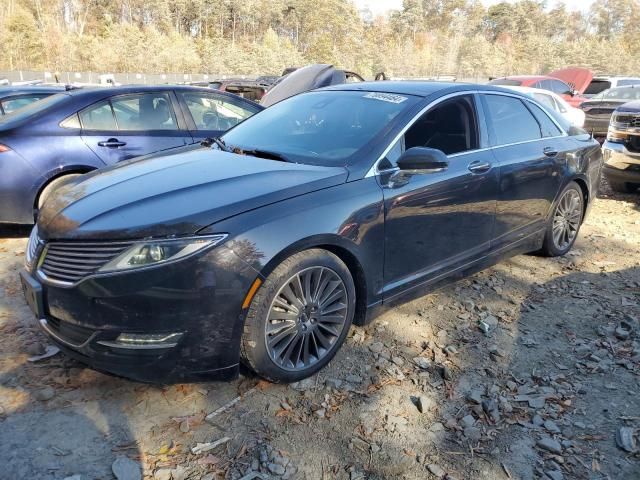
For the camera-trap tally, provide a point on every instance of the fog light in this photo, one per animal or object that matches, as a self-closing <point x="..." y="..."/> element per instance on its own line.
<point x="144" y="340"/>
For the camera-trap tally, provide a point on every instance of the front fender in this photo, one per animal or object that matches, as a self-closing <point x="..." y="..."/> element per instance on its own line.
<point x="347" y="217"/>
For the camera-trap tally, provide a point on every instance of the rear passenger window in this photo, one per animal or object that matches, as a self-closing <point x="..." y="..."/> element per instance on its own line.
<point x="149" y="111"/>
<point x="548" y="128"/>
<point x="98" y="117"/>
<point x="512" y="121"/>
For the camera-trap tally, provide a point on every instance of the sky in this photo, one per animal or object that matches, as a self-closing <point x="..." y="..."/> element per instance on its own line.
<point x="382" y="6"/>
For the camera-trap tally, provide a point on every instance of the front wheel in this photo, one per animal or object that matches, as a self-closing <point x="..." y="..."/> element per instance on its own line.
<point x="564" y="224"/>
<point x="299" y="317"/>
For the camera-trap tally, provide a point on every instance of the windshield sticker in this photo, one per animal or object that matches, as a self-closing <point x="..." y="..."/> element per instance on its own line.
<point x="386" y="97"/>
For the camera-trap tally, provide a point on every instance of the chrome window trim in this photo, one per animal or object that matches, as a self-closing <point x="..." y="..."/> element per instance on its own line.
<point x="374" y="171"/>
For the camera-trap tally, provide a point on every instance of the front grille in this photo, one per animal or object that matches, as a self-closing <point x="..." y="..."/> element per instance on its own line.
<point x="626" y="121"/>
<point x="72" y="261"/>
<point x="599" y="111"/>
<point x="68" y="332"/>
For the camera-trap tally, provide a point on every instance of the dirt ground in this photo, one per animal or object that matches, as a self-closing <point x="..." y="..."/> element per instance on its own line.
<point x="526" y="370"/>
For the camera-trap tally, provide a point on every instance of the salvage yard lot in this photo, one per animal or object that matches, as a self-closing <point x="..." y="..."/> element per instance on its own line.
<point x="524" y="370"/>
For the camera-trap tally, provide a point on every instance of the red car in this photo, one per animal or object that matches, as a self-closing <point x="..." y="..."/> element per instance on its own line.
<point x="569" y="83"/>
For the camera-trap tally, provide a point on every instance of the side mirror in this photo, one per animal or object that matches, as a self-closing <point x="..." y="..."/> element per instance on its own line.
<point x="422" y="160"/>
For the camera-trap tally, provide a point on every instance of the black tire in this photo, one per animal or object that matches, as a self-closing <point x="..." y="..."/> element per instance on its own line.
<point x="622" y="187"/>
<point x="51" y="187"/>
<point x="551" y="246"/>
<point x="258" y="355"/>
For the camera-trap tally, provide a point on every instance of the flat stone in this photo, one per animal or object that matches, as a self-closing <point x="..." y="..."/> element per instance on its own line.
<point x="467" y="421"/>
<point x="276" y="469"/>
<point x="376" y="347"/>
<point x="436" y="470"/>
<point x="126" y="469"/>
<point x="304" y="385"/>
<point x="475" y="397"/>
<point x="554" y="474"/>
<point x="44" y="394"/>
<point x="551" y="426"/>
<point x="550" y="445"/>
<point x="473" y="433"/>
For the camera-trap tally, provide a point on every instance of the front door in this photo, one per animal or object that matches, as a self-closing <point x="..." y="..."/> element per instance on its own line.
<point x="531" y="156"/>
<point x="128" y="126"/>
<point x="438" y="222"/>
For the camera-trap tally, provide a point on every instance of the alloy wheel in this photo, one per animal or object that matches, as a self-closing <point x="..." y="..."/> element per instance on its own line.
<point x="566" y="220"/>
<point x="306" y="318"/>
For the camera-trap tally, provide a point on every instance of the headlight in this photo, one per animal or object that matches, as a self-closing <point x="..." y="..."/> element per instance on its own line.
<point x="156" y="252"/>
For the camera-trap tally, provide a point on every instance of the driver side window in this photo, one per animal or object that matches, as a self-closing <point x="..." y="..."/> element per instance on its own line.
<point x="214" y="112"/>
<point x="451" y="126"/>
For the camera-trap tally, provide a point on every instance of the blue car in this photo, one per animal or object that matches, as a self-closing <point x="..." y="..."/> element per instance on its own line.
<point x="47" y="142"/>
<point x="16" y="97"/>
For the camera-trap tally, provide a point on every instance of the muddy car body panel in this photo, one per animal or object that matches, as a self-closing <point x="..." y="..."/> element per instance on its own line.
<point x="622" y="149"/>
<point x="400" y="232"/>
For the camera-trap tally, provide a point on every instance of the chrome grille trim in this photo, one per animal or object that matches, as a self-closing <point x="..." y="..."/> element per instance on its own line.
<point x="69" y="262"/>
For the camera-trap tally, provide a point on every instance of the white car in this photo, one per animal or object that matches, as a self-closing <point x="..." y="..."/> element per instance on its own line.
<point x="554" y="102"/>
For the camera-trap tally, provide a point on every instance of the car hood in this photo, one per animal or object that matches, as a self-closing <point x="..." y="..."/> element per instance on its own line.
<point x="302" y="80"/>
<point x="630" y="107"/>
<point x="175" y="194"/>
<point x="578" y="78"/>
<point x="612" y="104"/>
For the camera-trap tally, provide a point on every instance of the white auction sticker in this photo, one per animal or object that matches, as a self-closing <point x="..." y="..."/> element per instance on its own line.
<point x="386" y="97"/>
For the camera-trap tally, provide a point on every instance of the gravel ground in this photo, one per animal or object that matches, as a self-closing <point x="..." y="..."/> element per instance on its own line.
<point x="526" y="370"/>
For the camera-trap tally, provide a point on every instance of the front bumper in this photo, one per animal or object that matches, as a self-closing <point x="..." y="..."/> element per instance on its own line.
<point x="200" y="297"/>
<point x="620" y="164"/>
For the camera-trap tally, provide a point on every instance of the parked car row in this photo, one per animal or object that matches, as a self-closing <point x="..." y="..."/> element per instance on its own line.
<point x="265" y="243"/>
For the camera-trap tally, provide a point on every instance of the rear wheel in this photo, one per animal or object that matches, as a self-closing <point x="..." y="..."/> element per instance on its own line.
<point x="623" y="187"/>
<point x="299" y="317"/>
<point x="564" y="224"/>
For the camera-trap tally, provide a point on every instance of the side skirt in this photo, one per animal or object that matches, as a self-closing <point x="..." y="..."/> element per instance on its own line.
<point x="531" y="243"/>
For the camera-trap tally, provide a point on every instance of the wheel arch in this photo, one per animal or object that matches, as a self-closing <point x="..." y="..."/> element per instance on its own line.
<point x="586" y="194"/>
<point x="51" y="176"/>
<point x="345" y="250"/>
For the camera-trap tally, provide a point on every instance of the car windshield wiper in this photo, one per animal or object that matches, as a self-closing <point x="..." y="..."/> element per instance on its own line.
<point x="209" y="141"/>
<point x="267" y="154"/>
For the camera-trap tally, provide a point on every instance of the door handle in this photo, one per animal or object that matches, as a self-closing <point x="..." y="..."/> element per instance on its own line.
<point x="479" y="166"/>
<point x="550" y="152"/>
<point x="112" y="143"/>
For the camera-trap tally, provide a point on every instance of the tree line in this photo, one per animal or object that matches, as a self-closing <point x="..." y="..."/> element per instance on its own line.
<point x="425" y="38"/>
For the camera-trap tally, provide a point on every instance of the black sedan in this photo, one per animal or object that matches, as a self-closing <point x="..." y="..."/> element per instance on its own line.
<point x="264" y="246"/>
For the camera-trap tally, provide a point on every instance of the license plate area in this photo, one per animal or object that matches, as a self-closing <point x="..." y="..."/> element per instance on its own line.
<point x="32" y="290"/>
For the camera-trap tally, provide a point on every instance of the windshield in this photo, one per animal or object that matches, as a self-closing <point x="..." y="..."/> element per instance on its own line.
<point x="320" y="128"/>
<point x="624" y="93"/>
<point x="23" y="113"/>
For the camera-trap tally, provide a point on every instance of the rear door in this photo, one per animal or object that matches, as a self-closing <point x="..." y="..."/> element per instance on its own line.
<point x="210" y="114"/>
<point x="127" y="126"/>
<point x="531" y="151"/>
